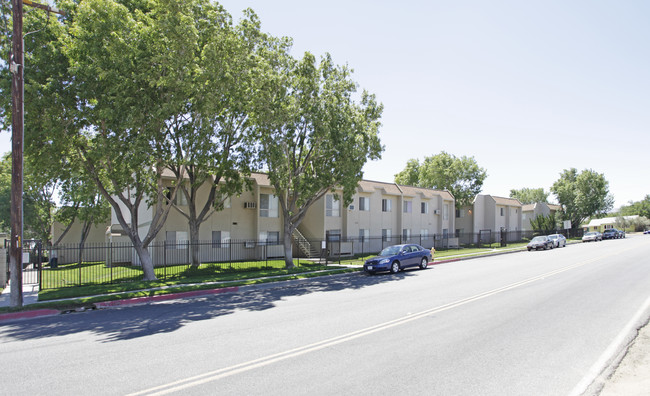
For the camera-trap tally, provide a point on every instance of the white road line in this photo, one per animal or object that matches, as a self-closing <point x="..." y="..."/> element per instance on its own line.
<point x="267" y="360"/>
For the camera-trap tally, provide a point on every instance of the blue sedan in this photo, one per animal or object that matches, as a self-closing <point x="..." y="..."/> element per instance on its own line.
<point x="397" y="257"/>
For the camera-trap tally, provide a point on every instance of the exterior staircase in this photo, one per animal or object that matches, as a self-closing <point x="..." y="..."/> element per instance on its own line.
<point x="308" y="249"/>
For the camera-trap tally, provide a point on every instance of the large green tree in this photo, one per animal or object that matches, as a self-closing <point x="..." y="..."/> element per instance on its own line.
<point x="213" y="144"/>
<point x="529" y="195"/>
<point x="314" y="137"/>
<point x="641" y="208"/>
<point x="463" y="177"/>
<point x="582" y="195"/>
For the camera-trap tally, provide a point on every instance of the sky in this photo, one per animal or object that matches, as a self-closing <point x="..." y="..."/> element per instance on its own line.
<point x="527" y="88"/>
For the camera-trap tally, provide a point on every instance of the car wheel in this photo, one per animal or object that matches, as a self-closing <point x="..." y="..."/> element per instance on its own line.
<point x="529" y="249"/>
<point x="394" y="268"/>
<point x="424" y="263"/>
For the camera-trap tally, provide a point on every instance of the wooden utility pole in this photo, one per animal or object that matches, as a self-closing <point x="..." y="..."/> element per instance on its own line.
<point x="17" y="125"/>
<point x="17" y="68"/>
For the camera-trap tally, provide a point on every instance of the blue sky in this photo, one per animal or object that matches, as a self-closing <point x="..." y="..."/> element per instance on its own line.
<point x="527" y="88"/>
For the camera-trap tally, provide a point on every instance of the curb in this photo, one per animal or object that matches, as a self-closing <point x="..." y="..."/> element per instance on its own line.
<point x="37" y="313"/>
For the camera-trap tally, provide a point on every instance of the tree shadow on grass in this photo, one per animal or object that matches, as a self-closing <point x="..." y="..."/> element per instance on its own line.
<point x="143" y="320"/>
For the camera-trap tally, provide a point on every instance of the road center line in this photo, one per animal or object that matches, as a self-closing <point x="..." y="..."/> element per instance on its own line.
<point x="182" y="384"/>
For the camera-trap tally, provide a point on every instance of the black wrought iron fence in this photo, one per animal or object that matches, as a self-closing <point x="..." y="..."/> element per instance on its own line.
<point x="92" y="264"/>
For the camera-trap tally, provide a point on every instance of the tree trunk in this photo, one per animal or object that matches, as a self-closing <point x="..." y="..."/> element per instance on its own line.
<point x="194" y="243"/>
<point x="85" y="230"/>
<point x="145" y="262"/>
<point x="288" y="246"/>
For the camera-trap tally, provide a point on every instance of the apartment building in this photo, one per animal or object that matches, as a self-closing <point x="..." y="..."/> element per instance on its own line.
<point x="531" y="211"/>
<point x="489" y="214"/>
<point x="380" y="213"/>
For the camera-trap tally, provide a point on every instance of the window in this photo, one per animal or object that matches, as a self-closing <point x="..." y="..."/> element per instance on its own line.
<point x="333" y="235"/>
<point x="386" y="205"/>
<point x="386" y="234"/>
<point x="406" y="234"/>
<point x="269" y="238"/>
<point x="424" y="233"/>
<point x="332" y="206"/>
<point x="268" y="205"/>
<point x="502" y="211"/>
<point x="459" y="232"/>
<point x="176" y="239"/>
<point x="408" y="206"/>
<point x="424" y="207"/>
<point x="445" y="212"/>
<point x="445" y="233"/>
<point x="364" y="234"/>
<point x="226" y="203"/>
<point x="364" y="204"/>
<point x="460" y="213"/>
<point x="220" y="239"/>
<point x="180" y="199"/>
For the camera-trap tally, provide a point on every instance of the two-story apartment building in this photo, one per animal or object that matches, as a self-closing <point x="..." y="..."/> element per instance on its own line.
<point x="380" y="214"/>
<point x="489" y="214"/>
<point x="531" y="211"/>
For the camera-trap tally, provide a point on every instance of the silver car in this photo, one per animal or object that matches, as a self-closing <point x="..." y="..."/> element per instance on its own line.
<point x="592" y="236"/>
<point x="558" y="240"/>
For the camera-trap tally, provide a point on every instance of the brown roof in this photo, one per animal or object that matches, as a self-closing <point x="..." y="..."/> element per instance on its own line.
<point x="506" y="201"/>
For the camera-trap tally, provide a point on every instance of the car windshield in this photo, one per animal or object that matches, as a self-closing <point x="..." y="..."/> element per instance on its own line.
<point x="391" y="251"/>
<point x="590" y="233"/>
<point x="538" y="239"/>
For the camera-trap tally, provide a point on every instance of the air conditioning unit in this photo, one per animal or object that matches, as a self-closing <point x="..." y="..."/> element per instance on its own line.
<point x="250" y="205"/>
<point x="437" y="211"/>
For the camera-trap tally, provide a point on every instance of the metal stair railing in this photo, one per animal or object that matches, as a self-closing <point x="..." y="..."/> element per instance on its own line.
<point x="303" y="244"/>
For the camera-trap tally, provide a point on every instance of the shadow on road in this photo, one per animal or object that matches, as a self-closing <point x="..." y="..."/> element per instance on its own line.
<point x="144" y="320"/>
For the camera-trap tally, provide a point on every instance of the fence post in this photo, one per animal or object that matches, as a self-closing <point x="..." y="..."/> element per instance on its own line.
<point x="79" y="264"/>
<point x="110" y="258"/>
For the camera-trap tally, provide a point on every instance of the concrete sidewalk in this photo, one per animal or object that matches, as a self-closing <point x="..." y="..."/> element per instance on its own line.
<point x="30" y="294"/>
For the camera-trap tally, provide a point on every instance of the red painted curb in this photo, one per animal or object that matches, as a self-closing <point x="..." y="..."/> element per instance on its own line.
<point x="29" y="314"/>
<point x="164" y="297"/>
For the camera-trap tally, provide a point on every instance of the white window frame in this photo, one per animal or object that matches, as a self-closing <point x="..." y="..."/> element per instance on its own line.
<point x="386" y="205"/>
<point x="445" y="212"/>
<point x="424" y="207"/>
<point x="408" y="206"/>
<point x="267" y="238"/>
<point x="268" y="205"/>
<point x="364" y="204"/>
<point x="175" y="240"/>
<point x="221" y="239"/>
<point x="386" y="234"/>
<point x="364" y="234"/>
<point x="332" y="206"/>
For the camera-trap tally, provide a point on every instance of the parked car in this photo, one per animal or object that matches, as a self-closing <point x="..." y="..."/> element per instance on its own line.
<point x="397" y="257"/>
<point x="646" y="232"/>
<point x="621" y="233"/>
<point x="610" y="233"/>
<point x="540" y="242"/>
<point x="558" y="240"/>
<point x="592" y="236"/>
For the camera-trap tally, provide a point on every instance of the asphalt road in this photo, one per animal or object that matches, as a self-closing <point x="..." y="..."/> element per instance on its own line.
<point x="530" y="323"/>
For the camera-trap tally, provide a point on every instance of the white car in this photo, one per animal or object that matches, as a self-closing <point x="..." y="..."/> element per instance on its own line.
<point x="558" y="240"/>
<point x="592" y="236"/>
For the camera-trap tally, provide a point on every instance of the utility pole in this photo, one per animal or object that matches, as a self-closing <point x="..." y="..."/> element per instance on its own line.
<point x="17" y="125"/>
<point x="17" y="68"/>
